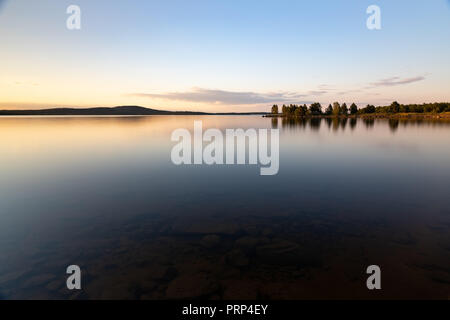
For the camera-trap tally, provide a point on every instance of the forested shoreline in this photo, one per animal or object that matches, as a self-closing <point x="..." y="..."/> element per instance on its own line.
<point x="440" y="109"/>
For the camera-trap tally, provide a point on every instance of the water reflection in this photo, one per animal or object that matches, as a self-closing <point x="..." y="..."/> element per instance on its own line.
<point x="393" y="124"/>
<point x="336" y="123"/>
<point x="369" y="122"/>
<point x="294" y="122"/>
<point x="103" y="194"/>
<point x="353" y="122"/>
<point x="315" y="123"/>
<point x="274" y="123"/>
<point x="344" y="123"/>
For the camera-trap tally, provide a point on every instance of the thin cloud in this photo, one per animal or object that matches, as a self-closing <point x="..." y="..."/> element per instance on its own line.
<point x="201" y="95"/>
<point x="341" y="93"/>
<point x="317" y="92"/>
<point x="326" y="87"/>
<point x="395" y="81"/>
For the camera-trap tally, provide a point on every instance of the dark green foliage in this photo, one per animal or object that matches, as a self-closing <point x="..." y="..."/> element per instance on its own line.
<point x="369" y="109"/>
<point x="395" y="107"/>
<point x="353" y="109"/>
<point x="404" y="109"/>
<point x="315" y="109"/>
<point x="336" y="109"/>
<point x="344" y="109"/>
<point x="275" y="109"/>
<point x="301" y="111"/>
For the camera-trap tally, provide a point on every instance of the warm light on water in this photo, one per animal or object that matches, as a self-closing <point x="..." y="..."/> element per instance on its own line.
<point x="101" y="192"/>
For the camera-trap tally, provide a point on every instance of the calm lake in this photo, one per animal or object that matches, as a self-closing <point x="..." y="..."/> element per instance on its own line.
<point x="102" y="193"/>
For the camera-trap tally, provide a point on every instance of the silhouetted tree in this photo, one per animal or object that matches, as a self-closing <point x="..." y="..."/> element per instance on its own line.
<point x="344" y="109"/>
<point x="336" y="109"/>
<point x="369" y="109"/>
<point x="404" y="109"/>
<point x="353" y="108"/>
<point x="315" y="108"/>
<point x="304" y="109"/>
<point x="394" y="107"/>
<point x="275" y="109"/>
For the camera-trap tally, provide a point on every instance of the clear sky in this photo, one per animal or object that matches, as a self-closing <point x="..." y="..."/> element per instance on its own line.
<point x="222" y="55"/>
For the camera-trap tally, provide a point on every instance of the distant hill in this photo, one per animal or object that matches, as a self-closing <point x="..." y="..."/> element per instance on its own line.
<point x="119" y="111"/>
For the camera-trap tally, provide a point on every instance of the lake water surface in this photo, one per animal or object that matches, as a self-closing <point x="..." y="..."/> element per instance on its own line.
<point x="102" y="193"/>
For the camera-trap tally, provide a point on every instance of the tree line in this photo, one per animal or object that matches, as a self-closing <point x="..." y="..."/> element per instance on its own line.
<point x="343" y="110"/>
<point x="395" y="107"/>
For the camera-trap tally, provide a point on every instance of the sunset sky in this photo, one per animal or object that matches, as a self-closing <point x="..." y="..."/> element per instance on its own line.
<point x="222" y="55"/>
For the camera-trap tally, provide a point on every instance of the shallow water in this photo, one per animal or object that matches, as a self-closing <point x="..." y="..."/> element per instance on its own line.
<point x="102" y="193"/>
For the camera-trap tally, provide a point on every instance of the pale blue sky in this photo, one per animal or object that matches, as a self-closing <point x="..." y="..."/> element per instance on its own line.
<point x="222" y="55"/>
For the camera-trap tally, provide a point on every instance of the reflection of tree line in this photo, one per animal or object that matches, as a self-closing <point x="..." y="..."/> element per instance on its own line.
<point x="314" y="123"/>
<point x="335" y="123"/>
